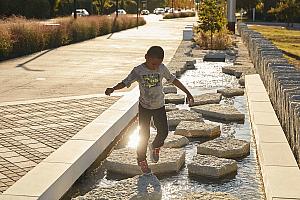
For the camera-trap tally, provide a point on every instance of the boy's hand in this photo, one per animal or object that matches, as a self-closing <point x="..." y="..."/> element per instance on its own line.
<point x="190" y="100"/>
<point x="108" y="91"/>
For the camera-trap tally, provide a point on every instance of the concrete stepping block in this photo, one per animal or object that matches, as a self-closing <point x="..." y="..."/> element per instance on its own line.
<point x="208" y="98"/>
<point x="209" y="196"/>
<point x="172" y="141"/>
<point x="225" y="148"/>
<point x="123" y="161"/>
<point x="174" y="98"/>
<point x="145" y="187"/>
<point x="211" y="166"/>
<point x="176" y="116"/>
<point x="190" y="65"/>
<point x="220" y="112"/>
<point x="170" y="107"/>
<point x="170" y="89"/>
<point x="237" y="71"/>
<point x="197" y="129"/>
<point x="231" y="92"/>
<point x="242" y="81"/>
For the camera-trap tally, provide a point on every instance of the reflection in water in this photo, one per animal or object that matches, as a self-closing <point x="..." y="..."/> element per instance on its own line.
<point x="134" y="139"/>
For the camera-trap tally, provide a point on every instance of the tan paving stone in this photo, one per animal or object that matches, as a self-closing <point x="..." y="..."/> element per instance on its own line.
<point x="26" y="164"/>
<point x="2" y="176"/>
<point x="8" y="154"/>
<point x="17" y="159"/>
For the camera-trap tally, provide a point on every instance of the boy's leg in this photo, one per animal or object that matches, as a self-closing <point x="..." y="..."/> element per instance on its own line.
<point x="144" y="133"/>
<point x="161" y="123"/>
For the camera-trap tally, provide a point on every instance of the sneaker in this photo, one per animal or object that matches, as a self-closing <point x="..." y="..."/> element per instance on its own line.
<point x="154" y="153"/>
<point x="144" y="167"/>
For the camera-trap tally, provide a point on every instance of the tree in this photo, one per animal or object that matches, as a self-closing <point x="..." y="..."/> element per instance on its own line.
<point x="211" y="16"/>
<point x="286" y="11"/>
<point x="103" y="5"/>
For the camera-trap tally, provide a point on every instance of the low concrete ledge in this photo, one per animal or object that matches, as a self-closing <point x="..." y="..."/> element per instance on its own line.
<point x="51" y="178"/>
<point x="280" y="172"/>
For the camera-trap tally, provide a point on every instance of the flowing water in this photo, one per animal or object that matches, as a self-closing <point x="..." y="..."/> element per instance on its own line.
<point x="247" y="184"/>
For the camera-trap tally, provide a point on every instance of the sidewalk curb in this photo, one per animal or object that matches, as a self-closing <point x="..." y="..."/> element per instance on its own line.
<point x="280" y="172"/>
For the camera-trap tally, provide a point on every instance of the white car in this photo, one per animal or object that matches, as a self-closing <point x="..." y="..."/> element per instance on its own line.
<point x="159" y="11"/>
<point x="145" y="12"/>
<point x="121" y="12"/>
<point x="81" y="12"/>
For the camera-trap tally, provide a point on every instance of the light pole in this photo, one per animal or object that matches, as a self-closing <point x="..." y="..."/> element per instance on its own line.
<point x="231" y="7"/>
<point x="75" y="13"/>
<point x="117" y="8"/>
<point x="172" y="6"/>
<point x="137" y="13"/>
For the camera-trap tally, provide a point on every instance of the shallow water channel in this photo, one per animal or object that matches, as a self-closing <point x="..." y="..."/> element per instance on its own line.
<point x="247" y="184"/>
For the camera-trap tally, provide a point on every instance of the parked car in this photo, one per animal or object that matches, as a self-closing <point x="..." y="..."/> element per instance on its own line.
<point x="121" y="12"/>
<point x="81" y="12"/>
<point x="145" y="12"/>
<point x="159" y="11"/>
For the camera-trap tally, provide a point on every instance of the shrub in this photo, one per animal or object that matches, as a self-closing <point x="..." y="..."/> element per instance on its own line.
<point x="220" y="41"/>
<point x="19" y="36"/>
<point x="5" y="42"/>
<point x="27" y="38"/>
<point x="179" y="15"/>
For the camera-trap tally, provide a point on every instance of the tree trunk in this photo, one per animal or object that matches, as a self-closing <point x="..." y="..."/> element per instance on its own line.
<point x="211" y="39"/>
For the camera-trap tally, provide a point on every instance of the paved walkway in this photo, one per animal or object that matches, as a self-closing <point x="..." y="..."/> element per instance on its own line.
<point x="46" y="98"/>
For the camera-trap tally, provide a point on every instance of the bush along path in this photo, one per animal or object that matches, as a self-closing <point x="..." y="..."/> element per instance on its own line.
<point x="20" y="37"/>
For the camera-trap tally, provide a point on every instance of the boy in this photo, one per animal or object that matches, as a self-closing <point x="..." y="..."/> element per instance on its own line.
<point x="151" y="102"/>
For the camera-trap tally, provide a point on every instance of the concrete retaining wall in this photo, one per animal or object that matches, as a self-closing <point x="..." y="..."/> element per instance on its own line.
<point x="281" y="80"/>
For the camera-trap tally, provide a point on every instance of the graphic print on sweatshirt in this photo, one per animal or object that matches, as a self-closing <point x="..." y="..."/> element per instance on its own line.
<point x="150" y="80"/>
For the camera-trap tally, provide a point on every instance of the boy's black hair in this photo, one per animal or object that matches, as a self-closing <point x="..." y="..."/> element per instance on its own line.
<point x="156" y="52"/>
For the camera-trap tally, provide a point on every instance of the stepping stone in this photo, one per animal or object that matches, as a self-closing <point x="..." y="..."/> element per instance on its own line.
<point x="242" y="81"/>
<point x="139" y="187"/>
<point x="209" y="196"/>
<point x="170" y="107"/>
<point x="176" y="116"/>
<point x="170" y="89"/>
<point x="197" y="129"/>
<point x="225" y="148"/>
<point x="220" y="112"/>
<point x="172" y="141"/>
<point x="190" y="65"/>
<point x="123" y="161"/>
<point x="211" y="166"/>
<point x="208" y="98"/>
<point x="174" y="98"/>
<point x="238" y="71"/>
<point x="231" y="92"/>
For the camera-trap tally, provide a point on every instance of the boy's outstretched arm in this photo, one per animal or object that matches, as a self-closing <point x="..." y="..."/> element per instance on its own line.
<point x="119" y="86"/>
<point x="190" y="98"/>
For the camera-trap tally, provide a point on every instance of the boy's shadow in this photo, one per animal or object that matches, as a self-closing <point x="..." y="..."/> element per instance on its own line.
<point x="148" y="187"/>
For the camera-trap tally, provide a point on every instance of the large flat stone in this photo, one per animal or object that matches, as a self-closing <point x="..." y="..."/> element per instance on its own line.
<point x="211" y="166"/>
<point x="221" y="112"/>
<point x="208" y="98"/>
<point x="225" y="148"/>
<point x="169" y="89"/>
<point x="174" y="98"/>
<point x="197" y="129"/>
<point x="209" y="196"/>
<point x="231" y="92"/>
<point x="170" y="107"/>
<point x="238" y="71"/>
<point x="145" y="187"/>
<point x="176" y="116"/>
<point x="172" y="141"/>
<point x="123" y="161"/>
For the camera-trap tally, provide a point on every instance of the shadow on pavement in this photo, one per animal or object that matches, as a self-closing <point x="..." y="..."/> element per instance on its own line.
<point x="28" y="61"/>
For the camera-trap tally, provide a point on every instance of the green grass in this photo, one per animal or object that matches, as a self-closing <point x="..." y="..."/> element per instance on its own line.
<point x="284" y="39"/>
